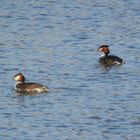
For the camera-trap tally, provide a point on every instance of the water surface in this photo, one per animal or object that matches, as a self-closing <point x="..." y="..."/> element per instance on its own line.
<point x="55" y="43"/>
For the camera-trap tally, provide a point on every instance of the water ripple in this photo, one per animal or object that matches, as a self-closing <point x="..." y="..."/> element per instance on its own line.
<point x="55" y="43"/>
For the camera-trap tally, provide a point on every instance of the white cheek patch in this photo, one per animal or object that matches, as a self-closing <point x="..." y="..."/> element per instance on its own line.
<point x="100" y="50"/>
<point x="16" y="78"/>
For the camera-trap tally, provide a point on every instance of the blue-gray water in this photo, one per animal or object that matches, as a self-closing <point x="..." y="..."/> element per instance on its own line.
<point x="54" y="42"/>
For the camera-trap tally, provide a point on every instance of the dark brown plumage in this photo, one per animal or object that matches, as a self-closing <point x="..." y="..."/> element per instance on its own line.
<point x="108" y="60"/>
<point x="22" y="86"/>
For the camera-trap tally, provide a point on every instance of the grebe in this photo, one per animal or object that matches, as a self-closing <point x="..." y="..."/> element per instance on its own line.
<point x="22" y="86"/>
<point x="108" y="60"/>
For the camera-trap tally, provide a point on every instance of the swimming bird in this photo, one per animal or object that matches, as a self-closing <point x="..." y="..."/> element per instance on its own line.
<point x="109" y="60"/>
<point x="28" y="87"/>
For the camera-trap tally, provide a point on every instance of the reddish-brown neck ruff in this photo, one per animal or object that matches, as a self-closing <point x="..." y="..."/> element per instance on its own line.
<point x="104" y="49"/>
<point x="19" y="77"/>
